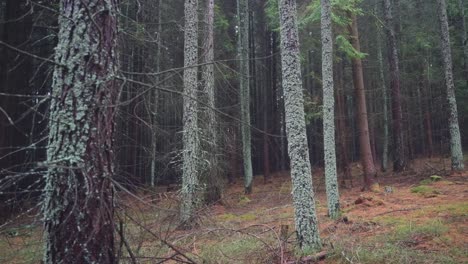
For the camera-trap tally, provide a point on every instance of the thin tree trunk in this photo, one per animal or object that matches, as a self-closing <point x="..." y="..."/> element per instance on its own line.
<point x="358" y="80"/>
<point x="190" y="166"/>
<point x="78" y="195"/>
<point x="155" y="104"/>
<point x="399" y="159"/>
<point x="213" y="183"/>
<point x="243" y="14"/>
<point x="333" y="197"/>
<point x="384" y="89"/>
<point x="303" y="194"/>
<point x="342" y="127"/>
<point x="455" y="140"/>
<point x="464" y="38"/>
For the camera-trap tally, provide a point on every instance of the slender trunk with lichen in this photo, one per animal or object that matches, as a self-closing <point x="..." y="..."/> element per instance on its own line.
<point x="399" y="159"/>
<point x="243" y="16"/>
<point x="78" y="194"/>
<point x="361" y="113"/>
<point x="190" y="168"/>
<point x="333" y="196"/>
<point x="455" y="140"/>
<point x="303" y="195"/>
<point x="209" y="125"/>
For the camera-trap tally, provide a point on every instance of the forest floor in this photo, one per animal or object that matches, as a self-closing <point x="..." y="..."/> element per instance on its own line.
<point x="414" y="217"/>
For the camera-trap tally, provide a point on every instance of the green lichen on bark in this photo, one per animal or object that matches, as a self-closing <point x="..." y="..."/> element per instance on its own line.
<point x="455" y="138"/>
<point x="331" y="181"/>
<point x="304" y="201"/>
<point x="190" y="166"/>
<point x="78" y="200"/>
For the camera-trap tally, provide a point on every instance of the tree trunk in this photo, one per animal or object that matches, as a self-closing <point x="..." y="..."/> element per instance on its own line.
<point x="243" y="14"/>
<point x="358" y="80"/>
<point x="190" y="167"/>
<point x="78" y="195"/>
<point x="464" y="38"/>
<point x="385" y="107"/>
<point x="333" y="197"/>
<point x="210" y="126"/>
<point x="455" y="141"/>
<point x="399" y="159"/>
<point x="303" y="195"/>
<point x="342" y="127"/>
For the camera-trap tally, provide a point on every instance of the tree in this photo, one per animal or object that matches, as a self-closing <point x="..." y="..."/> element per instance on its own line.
<point x="303" y="195"/>
<point x="190" y="166"/>
<point x="333" y="198"/>
<point x="78" y="195"/>
<point x="243" y="16"/>
<point x="464" y="38"/>
<point x="455" y="139"/>
<point x="399" y="160"/>
<point x="358" y="80"/>
<point x="210" y="126"/>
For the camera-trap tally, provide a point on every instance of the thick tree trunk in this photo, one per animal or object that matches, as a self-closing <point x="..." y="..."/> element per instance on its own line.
<point x="358" y="80"/>
<point x="333" y="197"/>
<point x="243" y="14"/>
<point x="191" y="151"/>
<point x="78" y="195"/>
<point x="303" y="195"/>
<point x="399" y="159"/>
<point x="455" y="140"/>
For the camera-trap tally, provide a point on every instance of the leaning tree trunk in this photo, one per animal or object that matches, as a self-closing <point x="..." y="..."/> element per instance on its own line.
<point x="78" y="195"/>
<point x="399" y="159"/>
<point x="333" y="197"/>
<point x="358" y="79"/>
<point x="190" y="166"/>
<point x="303" y="195"/>
<point x="243" y="14"/>
<point x="455" y="141"/>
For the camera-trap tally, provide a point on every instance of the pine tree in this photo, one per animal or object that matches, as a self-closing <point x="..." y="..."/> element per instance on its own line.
<point x="455" y="140"/>
<point x="243" y="16"/>
<point x="303" y="195"/>
<point x="333" y="197"/>
<point x="190" y="166"/>
<point x="78" y="195"/>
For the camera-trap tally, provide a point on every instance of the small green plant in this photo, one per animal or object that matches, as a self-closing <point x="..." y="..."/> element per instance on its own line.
<point x="411" y="233"/>
<point x="239" y="249"/>
<point x="425" y="191"/>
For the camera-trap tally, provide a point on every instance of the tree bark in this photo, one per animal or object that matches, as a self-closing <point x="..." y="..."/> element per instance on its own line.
<point x="78" y="195"/>
<point x="303" y="195"/>
<point x="455" y="139"/>
<point x="464" y="38"/>
<point x="191" y="151"/>
<point x="210" y="126"/>
<point x="243" y="14"/>
<point x="333" y="197"/>
<point x="358" y="80"/>
<point x="399" y="159"/>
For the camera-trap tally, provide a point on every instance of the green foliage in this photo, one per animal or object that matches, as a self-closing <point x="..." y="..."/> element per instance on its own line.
<point x="272" y="14"/>
<point x="409" y="233"/>
<point x="221" y="26"/>
<point x="425" y="191"/>
<point x="345" y="46"/>
<point x="312" y="109"/>
<point x="341" y="10"/>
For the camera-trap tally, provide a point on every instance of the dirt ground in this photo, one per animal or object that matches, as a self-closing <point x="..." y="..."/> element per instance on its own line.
<point x="419" y="216"/>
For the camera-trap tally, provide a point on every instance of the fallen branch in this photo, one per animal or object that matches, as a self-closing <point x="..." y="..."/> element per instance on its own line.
<point x="314" y="258"/>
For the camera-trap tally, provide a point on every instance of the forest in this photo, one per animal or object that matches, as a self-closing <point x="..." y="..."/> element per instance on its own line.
<point x="222" y="131"/>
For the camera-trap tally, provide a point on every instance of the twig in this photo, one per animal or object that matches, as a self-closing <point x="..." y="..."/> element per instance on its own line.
<point x="127" y="246"/>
